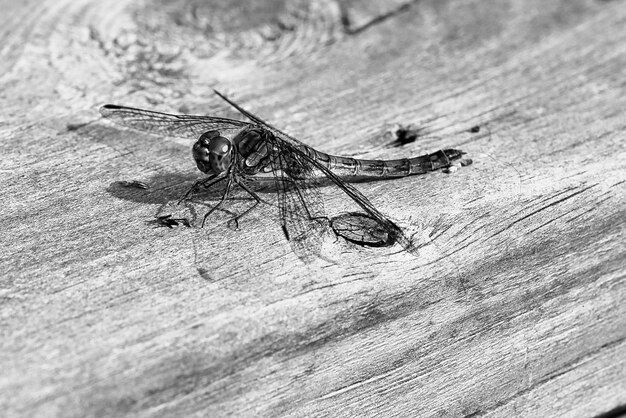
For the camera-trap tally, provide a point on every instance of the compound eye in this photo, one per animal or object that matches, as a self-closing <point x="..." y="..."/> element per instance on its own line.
<point x="219" y="146"/>
<point x="208" y="136"/>
<point x="200" y="149"/>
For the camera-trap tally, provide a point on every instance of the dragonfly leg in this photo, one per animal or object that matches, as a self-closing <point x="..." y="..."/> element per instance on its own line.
<point x="224" y="196"/>
<point x="250" y="192"/>
<point x="206" y="183"/>
<point x="234" y="222"/>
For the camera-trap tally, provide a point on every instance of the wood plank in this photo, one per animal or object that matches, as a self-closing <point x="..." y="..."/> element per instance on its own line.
<point x="513" y="305"/>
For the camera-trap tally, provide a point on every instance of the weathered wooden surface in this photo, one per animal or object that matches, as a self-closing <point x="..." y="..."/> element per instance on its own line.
<point x="516" y="308"/>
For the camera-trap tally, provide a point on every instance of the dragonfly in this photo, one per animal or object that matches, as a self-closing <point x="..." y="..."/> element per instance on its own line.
<point x="234" y="152"/>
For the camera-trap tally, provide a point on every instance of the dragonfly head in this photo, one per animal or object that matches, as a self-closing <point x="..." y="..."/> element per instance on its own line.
<point x="212" y="153"/>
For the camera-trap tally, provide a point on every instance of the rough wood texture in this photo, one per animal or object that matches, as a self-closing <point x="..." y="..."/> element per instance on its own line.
<point x="515" y="308"/>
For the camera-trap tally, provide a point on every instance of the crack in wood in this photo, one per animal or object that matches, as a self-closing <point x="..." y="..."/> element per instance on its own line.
<point x="352" y="28"/>
<point x="510" y="225"/>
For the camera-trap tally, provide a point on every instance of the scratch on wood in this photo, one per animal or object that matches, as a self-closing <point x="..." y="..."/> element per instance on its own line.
<point x="551" y="220"/>
<point x="541" y="209"/>
<point x="351" y="28"/>
<point x="581" y="214"/>
<point x="353" y="386"/>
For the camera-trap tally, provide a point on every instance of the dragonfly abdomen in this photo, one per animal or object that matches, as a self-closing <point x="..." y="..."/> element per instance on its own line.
<point x="347" y="166"/>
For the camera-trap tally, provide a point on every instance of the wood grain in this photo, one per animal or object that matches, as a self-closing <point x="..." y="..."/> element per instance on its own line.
<point x="515" y="306"/>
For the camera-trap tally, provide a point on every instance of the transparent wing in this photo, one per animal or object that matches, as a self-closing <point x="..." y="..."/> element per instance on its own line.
<point x="164" y="123"/>
<point x="395" y="233"/>
<point x="300" y="202"/>
<point x="289" y="158"/>
<point x="257" y="120"/>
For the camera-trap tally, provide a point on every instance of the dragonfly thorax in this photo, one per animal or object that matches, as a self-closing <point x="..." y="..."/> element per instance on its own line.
<point x="252" y="146"/>
<point x="212" y="153"/>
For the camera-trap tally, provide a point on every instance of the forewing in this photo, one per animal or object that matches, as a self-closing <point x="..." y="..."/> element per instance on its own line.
<point x="300" y="202"/>
<point x="166" y="124"/>
<point x="285" y="137"/>
<point x="290" y="150"/>
<point x="395" y="233"/>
